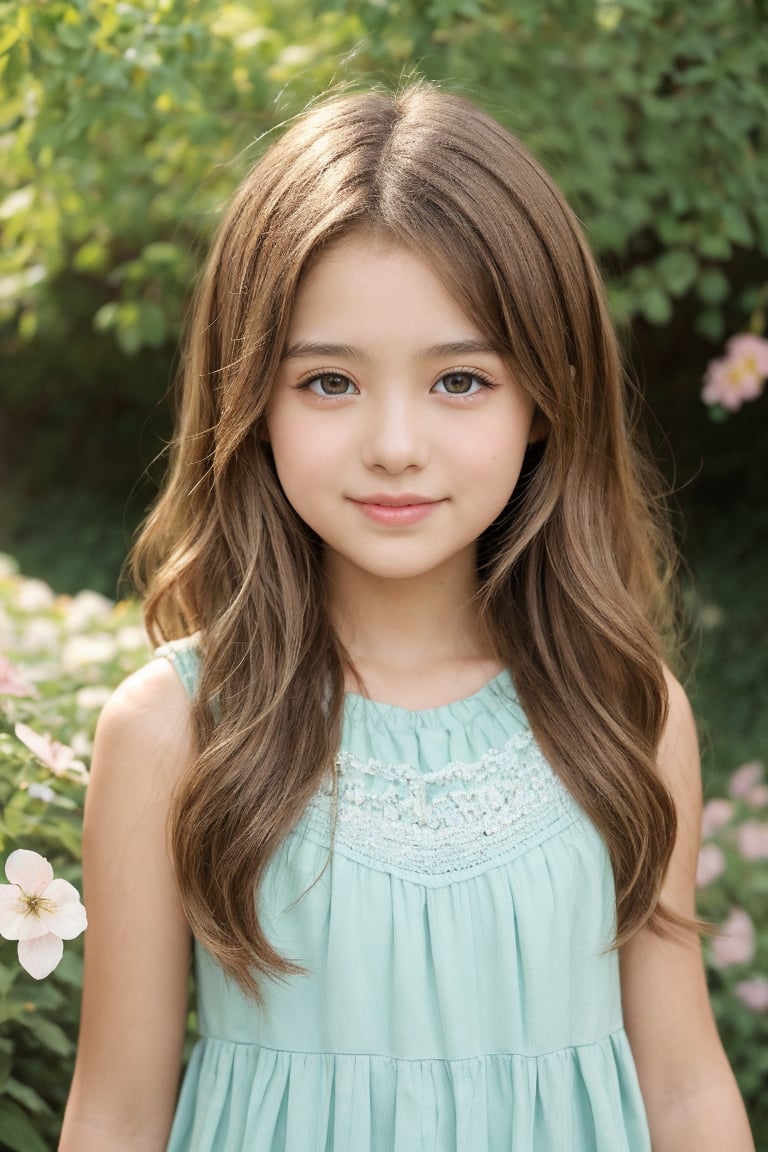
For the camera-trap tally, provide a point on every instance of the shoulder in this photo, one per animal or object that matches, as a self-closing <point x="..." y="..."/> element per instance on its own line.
<point x="678" y="760"/>
<point x="146" y="725"/>
<point x="154" y="687"/>
<point x="680" y="728"/>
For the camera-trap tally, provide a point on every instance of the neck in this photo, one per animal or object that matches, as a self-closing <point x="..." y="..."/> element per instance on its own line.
<point x="394" y="628"/>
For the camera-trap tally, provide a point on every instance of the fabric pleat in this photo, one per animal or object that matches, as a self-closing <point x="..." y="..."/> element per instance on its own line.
<point x="238" y="1097"/>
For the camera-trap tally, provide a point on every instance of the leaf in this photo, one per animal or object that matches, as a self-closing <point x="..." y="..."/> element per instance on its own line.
<point x="713" y="245"/>
<point x="106" y="317"/>
<point x="712" y="286"/>
<point x="737" y="225"/>
<point x="6" y="1063"/>
<point x="18" y="1132"/>
<point x="151" y="324"/>
<point x="8" y="37"/>
<point x="49" y="1034"/>
<point x="161" y="253"/>
<point x="678" y="269"/>
<point x="655" y="306"/>
<point x="26" y="1096"/>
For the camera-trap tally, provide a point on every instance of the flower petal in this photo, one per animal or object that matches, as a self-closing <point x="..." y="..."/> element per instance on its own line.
<point x="40" y="956"/>
<point x="37" y="742"/>
<point x="68" y="918"/>
<point x="16" y="923"/>
<point x="12" y="910"/>
<point x="29" y="870"/>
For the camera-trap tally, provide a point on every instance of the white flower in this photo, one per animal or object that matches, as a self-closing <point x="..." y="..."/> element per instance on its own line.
<point x="58" y="758"/>
<point x="39" y="635"/>
<point x="92" y="697"/>
<point x="82" y="650"/>
<point x="42" y="792"/>
<point x="38" y="911"/>
<point x="34" y="596"/>
<point x="86" y="607"/>
<point x="82" y="745"/>
<point x="131" y="638"/>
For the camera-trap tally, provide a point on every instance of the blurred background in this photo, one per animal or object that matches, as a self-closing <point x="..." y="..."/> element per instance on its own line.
<point x="125" y="126"/>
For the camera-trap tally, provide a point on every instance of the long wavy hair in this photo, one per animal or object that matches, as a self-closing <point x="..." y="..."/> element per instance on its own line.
<point x="573" y="576"/>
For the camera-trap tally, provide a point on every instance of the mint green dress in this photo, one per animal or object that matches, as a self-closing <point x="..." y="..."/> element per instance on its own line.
<point x="460" y="996"/>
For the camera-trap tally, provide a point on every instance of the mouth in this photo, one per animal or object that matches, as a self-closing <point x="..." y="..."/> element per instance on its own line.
<point x="406" y="500"/>
<point x="396" y="511"/>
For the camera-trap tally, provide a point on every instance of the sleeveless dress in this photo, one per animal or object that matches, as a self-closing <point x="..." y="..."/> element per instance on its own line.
<point x="460" y="994"/>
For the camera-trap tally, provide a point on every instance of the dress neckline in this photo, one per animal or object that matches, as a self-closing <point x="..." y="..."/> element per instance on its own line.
<point x="453" y="714"/>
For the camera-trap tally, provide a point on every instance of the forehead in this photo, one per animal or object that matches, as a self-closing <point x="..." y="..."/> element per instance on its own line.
<point x="366" y="280"/>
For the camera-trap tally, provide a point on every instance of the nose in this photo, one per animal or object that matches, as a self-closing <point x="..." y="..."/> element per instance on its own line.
<point x="396" y="436"/>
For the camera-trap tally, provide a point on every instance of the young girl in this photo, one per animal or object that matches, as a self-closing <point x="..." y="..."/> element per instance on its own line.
<point x="410" y="771"/>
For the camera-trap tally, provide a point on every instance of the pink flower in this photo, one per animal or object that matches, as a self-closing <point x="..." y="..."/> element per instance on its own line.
<point x="753" y="993"/>
<point x="711" y="865"/>
<point x="758" y="797"/>
<point x="717" y="813"/>
<point x="735" y="942"/>
<point x="59" y="758"/>
<point x="745" y="779"/>
<point x="739" y="375"/>
<point x="11" y="684"/>
<point x="751" y="349"/>
<point x="38" y="911"/>
<point x="752" y="840"/>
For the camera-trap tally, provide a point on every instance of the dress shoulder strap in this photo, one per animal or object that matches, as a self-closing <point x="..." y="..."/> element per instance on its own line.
<point x="185" y="656"/>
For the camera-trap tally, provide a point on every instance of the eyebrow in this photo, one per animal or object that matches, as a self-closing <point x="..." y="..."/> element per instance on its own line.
<point x="305" y="348"/>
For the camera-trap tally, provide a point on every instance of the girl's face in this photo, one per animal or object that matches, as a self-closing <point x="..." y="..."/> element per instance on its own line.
<point x="398" y="433"/>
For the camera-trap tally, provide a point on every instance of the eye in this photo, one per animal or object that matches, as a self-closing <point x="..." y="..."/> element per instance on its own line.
<point x="329" y="384"/>
<point x="460" y="384"/>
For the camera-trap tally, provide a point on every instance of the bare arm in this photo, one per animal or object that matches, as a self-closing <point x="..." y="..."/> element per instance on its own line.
<point x="690" y="1094"/>
<point x="137" y="945"/>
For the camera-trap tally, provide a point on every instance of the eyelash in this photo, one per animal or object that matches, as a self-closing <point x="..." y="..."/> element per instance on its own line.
<point x="484" y="381"/>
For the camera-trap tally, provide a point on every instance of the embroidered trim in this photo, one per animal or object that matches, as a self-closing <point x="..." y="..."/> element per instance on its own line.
<point x="454" y="819"/>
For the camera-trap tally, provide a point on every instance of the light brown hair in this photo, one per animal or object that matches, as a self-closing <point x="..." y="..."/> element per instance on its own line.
<point x="573" y="575"/>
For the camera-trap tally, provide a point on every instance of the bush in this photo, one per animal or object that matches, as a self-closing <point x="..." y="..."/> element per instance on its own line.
<point x="733" y="892"/>
<point x="127" y="125"/>
<point x="67" y="654"/>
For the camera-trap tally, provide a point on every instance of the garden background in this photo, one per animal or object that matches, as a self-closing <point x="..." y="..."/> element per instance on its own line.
<point x="123" y="128"/>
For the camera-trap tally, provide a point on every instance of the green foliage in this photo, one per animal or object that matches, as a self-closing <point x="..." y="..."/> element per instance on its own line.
<point x="743" y="885"/>
<point x="70" y="650"/>
<point x="125" y="126"/>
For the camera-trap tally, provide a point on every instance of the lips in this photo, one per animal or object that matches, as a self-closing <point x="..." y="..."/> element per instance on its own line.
<point x="382" y="500"/>
<point x="397" y="511"/>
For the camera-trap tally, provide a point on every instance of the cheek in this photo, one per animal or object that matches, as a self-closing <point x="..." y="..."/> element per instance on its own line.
<point x="306" y="461"/>
<point x="296" y="443"/>
<point x="494" y="456"/>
